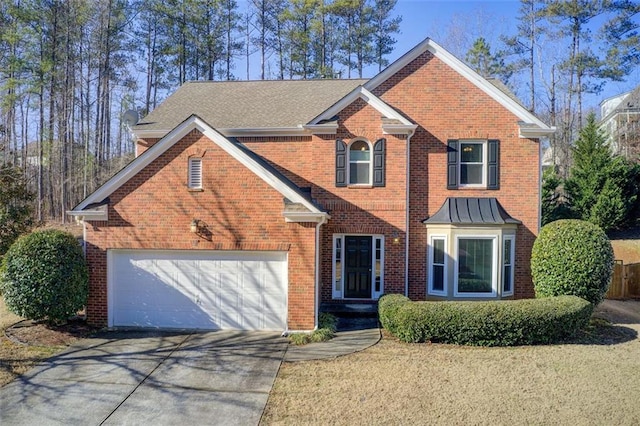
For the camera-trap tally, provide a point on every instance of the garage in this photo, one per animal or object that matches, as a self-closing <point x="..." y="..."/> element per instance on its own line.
<point x="197" y="289"/>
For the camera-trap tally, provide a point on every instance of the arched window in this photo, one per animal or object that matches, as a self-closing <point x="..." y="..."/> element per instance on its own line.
<point x="359" y="163"/>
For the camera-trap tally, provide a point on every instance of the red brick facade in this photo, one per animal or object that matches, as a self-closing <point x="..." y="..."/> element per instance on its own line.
<point x="153" y="210"/>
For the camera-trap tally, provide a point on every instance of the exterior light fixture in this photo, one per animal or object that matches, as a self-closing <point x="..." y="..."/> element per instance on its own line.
<point x="195" y="224"/>
<point x="396" y="238"/>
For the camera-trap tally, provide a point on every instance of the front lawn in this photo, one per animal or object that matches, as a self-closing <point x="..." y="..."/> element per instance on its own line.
<point x="594" y="379"/>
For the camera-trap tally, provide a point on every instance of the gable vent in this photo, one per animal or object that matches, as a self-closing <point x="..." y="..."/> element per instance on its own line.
<point x="195" y="173"/>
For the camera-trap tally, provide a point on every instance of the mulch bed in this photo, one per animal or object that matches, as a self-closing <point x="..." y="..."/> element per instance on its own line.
<point x="35" y="333"/>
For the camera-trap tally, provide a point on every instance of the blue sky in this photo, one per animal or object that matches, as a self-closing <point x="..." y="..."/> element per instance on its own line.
<point x="490" y="19"/>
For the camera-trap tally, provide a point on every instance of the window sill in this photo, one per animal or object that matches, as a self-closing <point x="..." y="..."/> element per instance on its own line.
<point x="195" y="189"/>
<point x="359" y="186"/>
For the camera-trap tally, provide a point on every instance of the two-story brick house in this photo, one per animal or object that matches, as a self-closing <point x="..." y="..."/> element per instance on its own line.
<point x="250" y="203"/>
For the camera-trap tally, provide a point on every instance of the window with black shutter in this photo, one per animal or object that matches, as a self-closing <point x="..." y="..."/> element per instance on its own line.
<point x="360" y="163"/>
<point x="473" y="164"/>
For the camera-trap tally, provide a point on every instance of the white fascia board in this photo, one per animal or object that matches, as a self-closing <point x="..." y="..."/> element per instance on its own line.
<point x="462" y="69"/>
<point x="305" y="217"/>
<point x="233" y="132"/>
<point x="168" y="141"/>
<point x="149" y="134"/>
<point x="535" y="132"/>
<point x="322" y="129"/>
<point x="399" y="129"/>
<point x="90" y="215"/>
<point x="364" y="94"/>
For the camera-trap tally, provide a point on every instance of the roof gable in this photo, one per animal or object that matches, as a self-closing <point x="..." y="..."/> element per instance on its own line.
<point x="401" y="124"/>
<point x="530" y="125"/>
<point x="251" y="160"/>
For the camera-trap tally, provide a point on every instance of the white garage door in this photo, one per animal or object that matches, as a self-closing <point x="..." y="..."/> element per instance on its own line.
<point x="198" y="289"/>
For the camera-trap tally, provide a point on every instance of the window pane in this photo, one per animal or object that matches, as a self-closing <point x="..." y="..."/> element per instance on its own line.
<point x="438" y="252"/>
<point x="471" y="174"/>
<point x="507" y="252"/>
<point x="359" y="173"/>
<point x="471" y="153"/>
<point x="438" y="277"/>
<point x="360" y="155"/>
<point x="359" y="151"/>
<point x="507" y="279"/>
<point x="475" y="265"/>
<point x="338" y="264"/>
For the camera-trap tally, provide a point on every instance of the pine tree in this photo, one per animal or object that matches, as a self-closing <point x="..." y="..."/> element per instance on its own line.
<point x="598" y="181"/>
<point x="486" y="63"/>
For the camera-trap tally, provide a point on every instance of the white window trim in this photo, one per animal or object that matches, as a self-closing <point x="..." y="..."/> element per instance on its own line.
<point x="494" y="266"/>
<point x="339" y="293"/>
<point x="191" y="183"/>
<point x="431" y="264"/>
<point x="512" y="238"/>
<point x="485" y="162"/>
<point x="349" y="162"/>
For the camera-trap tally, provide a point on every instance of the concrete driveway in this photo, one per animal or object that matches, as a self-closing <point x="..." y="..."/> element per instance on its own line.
<point x="154" y="378"/>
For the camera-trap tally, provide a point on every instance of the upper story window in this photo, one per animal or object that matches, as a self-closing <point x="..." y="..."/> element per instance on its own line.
<point x="360" y="163"/>
<point x="194" y="180"/>
<point x="473" y="164"/>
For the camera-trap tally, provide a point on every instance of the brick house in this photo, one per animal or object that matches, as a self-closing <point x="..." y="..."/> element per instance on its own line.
<point x="250" y="203"/>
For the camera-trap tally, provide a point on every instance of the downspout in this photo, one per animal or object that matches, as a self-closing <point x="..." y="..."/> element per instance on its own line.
<point x="539" y="185"/>
<point x="406" y="208"/>
<point x="317" y="277"/>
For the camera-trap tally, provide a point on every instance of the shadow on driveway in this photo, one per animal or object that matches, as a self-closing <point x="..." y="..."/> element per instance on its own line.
<point x="145" y="377"/>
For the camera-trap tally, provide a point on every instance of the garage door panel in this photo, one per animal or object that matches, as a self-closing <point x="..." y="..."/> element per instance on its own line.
<point x="198" y="289"/>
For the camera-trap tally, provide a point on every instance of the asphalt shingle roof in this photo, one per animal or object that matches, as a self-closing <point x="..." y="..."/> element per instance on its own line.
<point x="248" y="104"/>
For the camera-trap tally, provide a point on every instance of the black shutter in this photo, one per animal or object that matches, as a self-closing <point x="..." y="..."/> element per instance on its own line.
<point x="493" y="165"/>
<point x="378" y="162"/>
<point x="341" y="163"/>
<point x="452" y="164"/>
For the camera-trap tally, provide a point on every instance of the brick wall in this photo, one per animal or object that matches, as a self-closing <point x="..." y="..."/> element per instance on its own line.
<point x="155" y="208"/>
<point x="447" y="106"/>
<point x="310" y="161"/>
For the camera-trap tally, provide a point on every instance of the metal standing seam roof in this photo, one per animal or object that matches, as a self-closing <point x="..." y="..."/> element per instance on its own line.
<point x="471" y="211"/>
<point x="248" y="104"/>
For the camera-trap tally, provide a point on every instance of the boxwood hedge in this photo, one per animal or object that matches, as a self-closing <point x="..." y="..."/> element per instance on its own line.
<point x="572" y="257"/>
<point x="484" y="323"/>
<point x="44" y="276"/>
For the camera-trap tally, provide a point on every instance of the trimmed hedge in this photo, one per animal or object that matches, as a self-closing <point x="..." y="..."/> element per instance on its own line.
<point x="484" y="323"/>
<point x="44" y="276"/>
<point x="572" y="257"/>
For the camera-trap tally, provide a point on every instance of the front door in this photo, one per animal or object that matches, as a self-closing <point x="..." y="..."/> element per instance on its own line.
<point x="357" y="269"/>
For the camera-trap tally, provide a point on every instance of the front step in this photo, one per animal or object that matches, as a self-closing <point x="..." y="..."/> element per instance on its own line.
<point x="361" y="310"/>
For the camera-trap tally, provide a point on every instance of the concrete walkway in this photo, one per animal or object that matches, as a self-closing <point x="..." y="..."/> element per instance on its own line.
<point x="354" y="335"/>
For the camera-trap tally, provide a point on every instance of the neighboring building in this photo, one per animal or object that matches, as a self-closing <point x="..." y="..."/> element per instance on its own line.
<point x="252" y="202"/>
<point x="621" y="123"/>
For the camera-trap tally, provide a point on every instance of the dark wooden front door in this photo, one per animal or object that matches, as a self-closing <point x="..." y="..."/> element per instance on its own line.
<point x="357" y="269"/>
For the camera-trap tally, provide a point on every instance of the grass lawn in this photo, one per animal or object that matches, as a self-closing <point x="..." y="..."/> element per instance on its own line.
<point x="594" y="380"/>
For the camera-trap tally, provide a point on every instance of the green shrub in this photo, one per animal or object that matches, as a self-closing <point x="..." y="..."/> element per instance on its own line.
<point x="327" y="324"/>
<point x="485" y="323"/>
<point x="44" y="276"/>
<point x="572" y="257"/>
